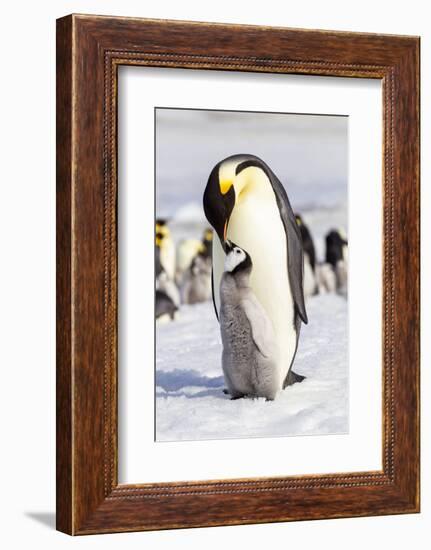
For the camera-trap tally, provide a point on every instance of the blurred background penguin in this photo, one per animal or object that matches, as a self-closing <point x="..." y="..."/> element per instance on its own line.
<point x="196" y="278"/>
<point x="337" y="256"/>
<point x="183" y="271"/>
<point x="331" y="274"/>
<point x="166" y="247"/>
<point x="167" y="294"/>
<point x="310" y="283"/>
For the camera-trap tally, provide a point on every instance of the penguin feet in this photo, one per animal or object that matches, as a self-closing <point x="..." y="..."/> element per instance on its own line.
<point x="292" y="378"/>
<point x="234" y="395"/>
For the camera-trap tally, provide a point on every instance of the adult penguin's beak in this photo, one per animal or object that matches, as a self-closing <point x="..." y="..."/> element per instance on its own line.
<point x="228" y="246"/>
<point x="218" y="202"/>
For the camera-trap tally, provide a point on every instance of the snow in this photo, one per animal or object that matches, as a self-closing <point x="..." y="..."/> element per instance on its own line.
<point x="191" y="405"/>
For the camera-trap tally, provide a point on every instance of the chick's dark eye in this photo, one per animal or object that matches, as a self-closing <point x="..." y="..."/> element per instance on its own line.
<point x="238" y="251"/>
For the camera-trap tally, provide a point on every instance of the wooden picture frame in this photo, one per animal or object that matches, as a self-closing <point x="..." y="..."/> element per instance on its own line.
<point x="89" y="51"/>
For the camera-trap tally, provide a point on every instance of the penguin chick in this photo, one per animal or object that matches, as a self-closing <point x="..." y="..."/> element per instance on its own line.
<point x="342" y="277"/>
<point x="187" y="250"/>
<point x="326" y="278"/>
<point x="250" y="354"/>
<point x="197" y="284"/>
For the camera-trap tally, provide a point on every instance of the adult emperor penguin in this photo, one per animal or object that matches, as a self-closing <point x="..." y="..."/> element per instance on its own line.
<point x="310" y="284"/>
<point x="245" y="203"/>
<point x="167" y="247"/>
<point x="307" y="241"/>
<point x="336" y="247"/>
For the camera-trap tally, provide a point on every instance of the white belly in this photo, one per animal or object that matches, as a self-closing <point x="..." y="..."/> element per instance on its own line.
<point x="256" y="226"/>
<point x="167" y="258"/>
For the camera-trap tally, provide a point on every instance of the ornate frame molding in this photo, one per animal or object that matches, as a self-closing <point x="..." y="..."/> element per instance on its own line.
<point x="90" y="49"/>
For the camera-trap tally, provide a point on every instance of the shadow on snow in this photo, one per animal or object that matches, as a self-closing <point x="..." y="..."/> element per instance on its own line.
<point x="176" y="380"/>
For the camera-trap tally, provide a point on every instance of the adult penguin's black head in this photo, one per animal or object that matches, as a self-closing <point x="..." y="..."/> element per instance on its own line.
<point x="219" y="201"/>
<point x="220" y="193"/>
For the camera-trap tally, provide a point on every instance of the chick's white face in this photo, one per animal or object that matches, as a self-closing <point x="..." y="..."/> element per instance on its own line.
<point x="234" y="258"/>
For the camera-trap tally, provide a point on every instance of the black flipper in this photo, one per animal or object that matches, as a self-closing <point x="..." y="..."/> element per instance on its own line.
<point x="295" y="252"/>
<point x="292" y="378"/>
<point x="212" y="294"/>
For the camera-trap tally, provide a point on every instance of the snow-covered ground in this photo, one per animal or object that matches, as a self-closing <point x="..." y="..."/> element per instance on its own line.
<point x="190" y="403"/>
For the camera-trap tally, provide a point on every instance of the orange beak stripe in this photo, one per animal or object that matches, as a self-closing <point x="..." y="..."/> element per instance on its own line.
<point x="225" y="185"/>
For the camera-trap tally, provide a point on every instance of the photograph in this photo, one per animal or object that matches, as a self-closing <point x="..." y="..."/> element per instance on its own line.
<point x="251" y="274"/>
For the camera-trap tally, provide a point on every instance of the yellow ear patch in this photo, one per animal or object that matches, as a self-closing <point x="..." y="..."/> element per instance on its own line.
<point x="225" y="185"/>
<point x="162" y="229"/>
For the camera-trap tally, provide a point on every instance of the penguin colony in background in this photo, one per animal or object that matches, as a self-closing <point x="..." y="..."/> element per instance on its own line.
<point x="182" y="274"/>
<point x="330" y="275"/>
